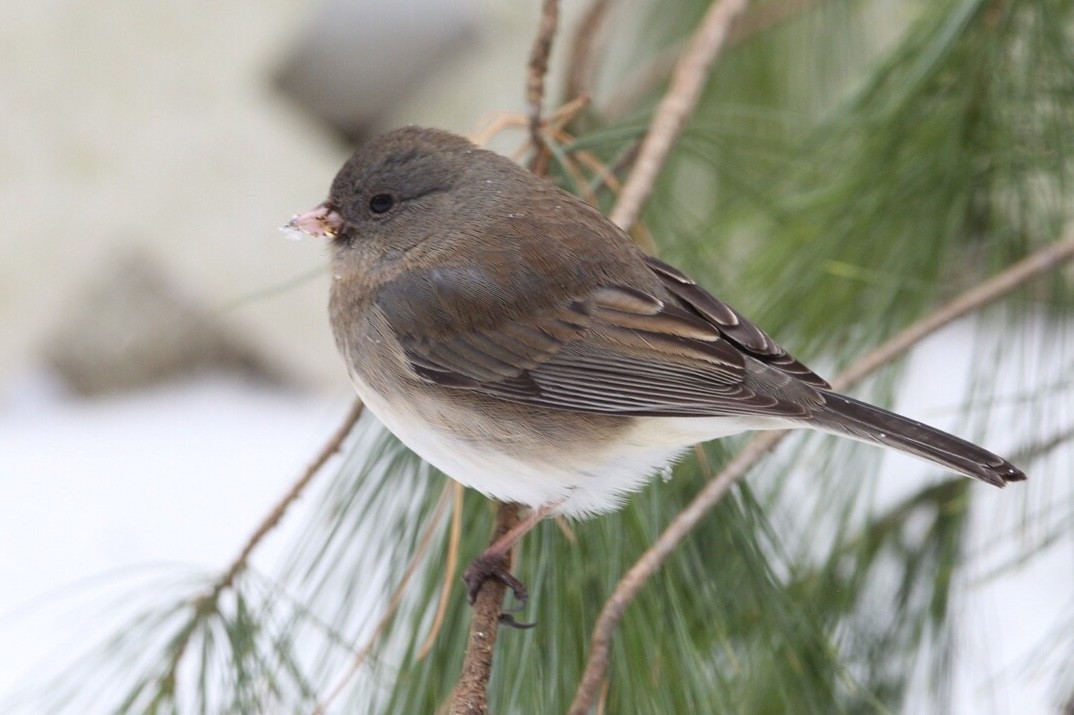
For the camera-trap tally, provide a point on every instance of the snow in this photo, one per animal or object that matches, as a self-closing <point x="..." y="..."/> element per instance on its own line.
<point x="178" y="475"/>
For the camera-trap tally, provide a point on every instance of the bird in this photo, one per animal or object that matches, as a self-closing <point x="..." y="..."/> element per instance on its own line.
<point x="515" y="338"/>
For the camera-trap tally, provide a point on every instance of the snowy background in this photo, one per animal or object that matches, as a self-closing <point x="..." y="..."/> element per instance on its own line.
<point x="155" y="126"/>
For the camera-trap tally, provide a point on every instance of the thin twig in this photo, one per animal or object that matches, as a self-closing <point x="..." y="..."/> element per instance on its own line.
<point x="538" y="67"/>
<point x="678" y="103"/>
<point x="471" y="693"/>
<point x="394" y="601"/>
<point x="491" y="124"/>
<point x="989" y="291"/>
<point x="580" y="58"/>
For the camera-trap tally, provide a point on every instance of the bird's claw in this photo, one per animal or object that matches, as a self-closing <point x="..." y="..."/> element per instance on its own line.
<point x="494" y="567"/>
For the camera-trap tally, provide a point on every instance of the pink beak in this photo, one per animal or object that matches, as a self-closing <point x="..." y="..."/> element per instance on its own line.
<point x="319" y="222"/>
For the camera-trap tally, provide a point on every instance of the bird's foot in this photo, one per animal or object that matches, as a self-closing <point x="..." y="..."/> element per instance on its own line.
<point x="492" y="566"/>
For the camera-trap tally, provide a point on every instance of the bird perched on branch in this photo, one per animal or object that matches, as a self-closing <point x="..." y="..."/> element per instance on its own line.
<point x="519" y="341"/>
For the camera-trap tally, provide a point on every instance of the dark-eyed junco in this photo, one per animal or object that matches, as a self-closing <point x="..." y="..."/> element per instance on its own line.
<point x="515" y="338"/>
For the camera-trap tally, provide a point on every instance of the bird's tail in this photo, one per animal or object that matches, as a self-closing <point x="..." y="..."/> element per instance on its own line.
<point x="850" y="418"/>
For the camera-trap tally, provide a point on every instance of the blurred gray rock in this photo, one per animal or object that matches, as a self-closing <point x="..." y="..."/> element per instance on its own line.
<point x="357" y="59"/>
<point x="132" y="327"/>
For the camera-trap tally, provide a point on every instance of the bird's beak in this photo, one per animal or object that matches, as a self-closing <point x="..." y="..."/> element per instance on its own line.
<point x="322" y="221"/>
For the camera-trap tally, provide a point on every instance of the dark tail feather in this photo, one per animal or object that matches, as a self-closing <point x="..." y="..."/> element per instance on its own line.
<point x="851" y="418"/>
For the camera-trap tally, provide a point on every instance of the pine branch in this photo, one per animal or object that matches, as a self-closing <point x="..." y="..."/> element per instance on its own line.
<point x="989" y="291"/>
<point x="471" y="694"/>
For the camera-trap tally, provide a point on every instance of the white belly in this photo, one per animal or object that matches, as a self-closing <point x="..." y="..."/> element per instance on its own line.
<point x="587" y="481"/>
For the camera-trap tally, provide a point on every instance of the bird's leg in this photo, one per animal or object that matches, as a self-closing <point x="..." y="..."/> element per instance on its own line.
<point x="493" y="563"/>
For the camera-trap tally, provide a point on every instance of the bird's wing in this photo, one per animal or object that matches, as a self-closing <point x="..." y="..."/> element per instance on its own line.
<point x="614" y="350"/>
<point x="732" y="325"/>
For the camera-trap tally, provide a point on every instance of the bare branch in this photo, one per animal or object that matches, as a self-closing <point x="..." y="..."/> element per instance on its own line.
<point x="471" y="694"/>
<point x="678" y="103"/>
<point x="538" y="67"/>
<point x="1050" y="257"/>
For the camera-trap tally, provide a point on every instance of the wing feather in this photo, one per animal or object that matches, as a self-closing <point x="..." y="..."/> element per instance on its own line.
<point x="617" y="350"/>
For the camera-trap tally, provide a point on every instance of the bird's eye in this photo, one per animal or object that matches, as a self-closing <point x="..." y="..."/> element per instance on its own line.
<point x="381" y="203"/>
